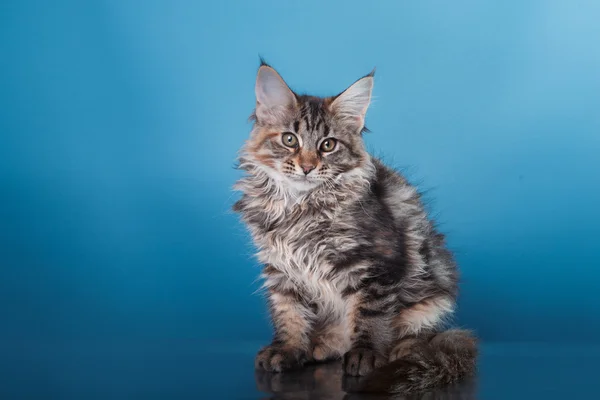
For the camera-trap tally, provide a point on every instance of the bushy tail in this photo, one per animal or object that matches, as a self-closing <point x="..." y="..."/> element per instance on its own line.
<point x="423" y="363"/>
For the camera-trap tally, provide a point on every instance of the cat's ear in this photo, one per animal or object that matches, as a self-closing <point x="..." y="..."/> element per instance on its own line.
<point x="351" y="105"/>
<point x="273" y="96"/>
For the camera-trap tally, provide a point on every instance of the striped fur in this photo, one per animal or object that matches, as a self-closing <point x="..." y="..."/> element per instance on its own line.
<point x="353" y="265"/>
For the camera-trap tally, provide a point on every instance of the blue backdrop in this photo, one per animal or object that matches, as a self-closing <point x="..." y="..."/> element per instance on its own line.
<point x="120" y="122"/>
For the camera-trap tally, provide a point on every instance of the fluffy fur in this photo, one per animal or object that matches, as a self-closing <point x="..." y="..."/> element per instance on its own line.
<point x="353" y="266"/>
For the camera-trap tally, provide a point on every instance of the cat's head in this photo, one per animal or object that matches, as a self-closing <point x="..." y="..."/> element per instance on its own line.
<point x="305" y="141"/>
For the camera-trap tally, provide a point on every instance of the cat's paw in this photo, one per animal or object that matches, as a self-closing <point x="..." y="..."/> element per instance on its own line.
<point x="279" y="358"/>
<point x="361" y="361"/>
<point x="406" y="347"/>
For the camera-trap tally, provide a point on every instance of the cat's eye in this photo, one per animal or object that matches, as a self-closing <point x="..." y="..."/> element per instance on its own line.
<point x="328" y="145"/>
<point x="289" y="139"/>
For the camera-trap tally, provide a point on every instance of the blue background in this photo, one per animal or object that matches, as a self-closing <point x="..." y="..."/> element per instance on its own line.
<point x="120" y="122"/>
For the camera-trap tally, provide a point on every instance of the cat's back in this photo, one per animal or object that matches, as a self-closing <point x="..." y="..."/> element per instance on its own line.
<point x="423" y="245"/>
<point x="397" y="196"/>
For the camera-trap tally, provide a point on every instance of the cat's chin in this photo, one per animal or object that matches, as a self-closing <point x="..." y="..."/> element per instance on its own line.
<point x="301" y="184"/>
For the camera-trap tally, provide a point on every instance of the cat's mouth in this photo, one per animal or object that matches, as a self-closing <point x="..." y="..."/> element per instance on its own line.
<point x="305" y="179"/>
<point x="301" y="178"/>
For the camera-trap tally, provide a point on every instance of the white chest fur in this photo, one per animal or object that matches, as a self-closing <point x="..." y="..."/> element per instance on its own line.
<point x="300" y="248"/>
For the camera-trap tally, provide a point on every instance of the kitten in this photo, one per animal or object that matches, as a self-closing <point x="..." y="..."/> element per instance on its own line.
<point x="353" y="266"/>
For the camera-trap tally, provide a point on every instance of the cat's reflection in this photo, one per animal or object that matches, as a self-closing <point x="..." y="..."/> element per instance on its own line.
<point x="327" y="382"/>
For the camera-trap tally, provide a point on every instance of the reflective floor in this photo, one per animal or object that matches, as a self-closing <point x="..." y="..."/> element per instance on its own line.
<point x="188" y="369"/>
<point x="327" y="382"/>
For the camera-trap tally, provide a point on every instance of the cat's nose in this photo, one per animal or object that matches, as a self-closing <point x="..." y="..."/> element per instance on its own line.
<point x="306" y="168"/>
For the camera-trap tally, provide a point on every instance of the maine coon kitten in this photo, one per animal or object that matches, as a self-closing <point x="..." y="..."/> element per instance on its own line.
<point x="353" y="266"/>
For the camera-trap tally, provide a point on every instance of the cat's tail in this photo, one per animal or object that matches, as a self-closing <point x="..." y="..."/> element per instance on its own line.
<point x="423" y="363"/>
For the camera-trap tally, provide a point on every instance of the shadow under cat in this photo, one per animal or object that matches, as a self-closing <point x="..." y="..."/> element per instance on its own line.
<point x="328" y="382"/>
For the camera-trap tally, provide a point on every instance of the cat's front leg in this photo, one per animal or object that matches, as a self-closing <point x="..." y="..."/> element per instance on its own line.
<point x="330" y="342"/>
<point x="292" y="322"/>
<point x="369" y="337"/>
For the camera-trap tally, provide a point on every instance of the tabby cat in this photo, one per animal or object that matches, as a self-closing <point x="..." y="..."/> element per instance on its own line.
<point x="353" y="267"/>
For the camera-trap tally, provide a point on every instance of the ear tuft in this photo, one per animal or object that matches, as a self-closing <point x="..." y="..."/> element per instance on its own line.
<point x="263" y="63"/>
